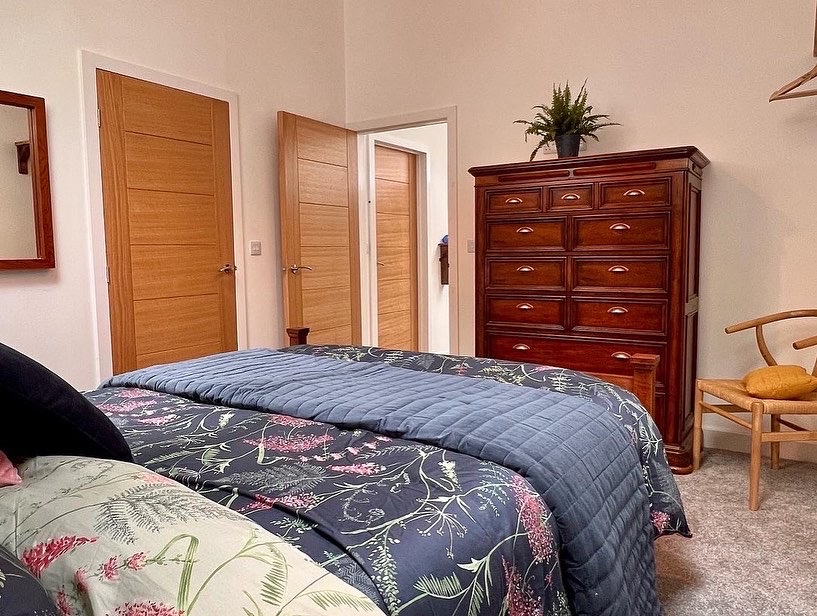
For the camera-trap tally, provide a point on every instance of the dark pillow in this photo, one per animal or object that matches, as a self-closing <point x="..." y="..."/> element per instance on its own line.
<point x="44" y="415"/>
<point x="20" y="592"/>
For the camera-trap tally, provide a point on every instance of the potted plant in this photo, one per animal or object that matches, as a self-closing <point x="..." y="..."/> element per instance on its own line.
<point x="565" y="122"/>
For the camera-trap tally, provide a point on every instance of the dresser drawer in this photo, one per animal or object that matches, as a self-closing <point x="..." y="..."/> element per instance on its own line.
<point x="516" y="201"/>
<point x="641" y="274"/>
<point x="549" y="312"/>
<point x="609" y="356"/>
<point x="571" y="197"/>
<point x="527" y="235"/>
<point x="625" y="231"/>
<point x="636" y="192"/>
<point x="648" y="317"/>
<point x="534" y="272"/>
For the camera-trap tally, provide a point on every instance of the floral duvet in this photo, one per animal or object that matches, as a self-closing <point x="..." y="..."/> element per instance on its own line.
<point x="421" y="530"/>
<point x="310" y="449"/>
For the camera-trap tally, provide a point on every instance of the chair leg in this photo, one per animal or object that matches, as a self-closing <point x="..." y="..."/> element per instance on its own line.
<point x="775" y="464"/>
<point x="697" y="429"/>
<point x="754" y="463"/>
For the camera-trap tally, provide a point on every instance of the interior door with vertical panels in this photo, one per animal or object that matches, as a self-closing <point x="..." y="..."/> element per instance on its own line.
<point x="319" y="228"/>
<point x="396" y="222"/>
<point x="167" y="196"/>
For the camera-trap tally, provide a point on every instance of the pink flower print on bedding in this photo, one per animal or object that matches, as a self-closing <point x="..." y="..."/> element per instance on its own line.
<point x="8" y="474"/>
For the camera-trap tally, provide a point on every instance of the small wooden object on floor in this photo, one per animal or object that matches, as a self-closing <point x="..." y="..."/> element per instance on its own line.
<point x="297" y="335"/>
<point x="737" y="400"/>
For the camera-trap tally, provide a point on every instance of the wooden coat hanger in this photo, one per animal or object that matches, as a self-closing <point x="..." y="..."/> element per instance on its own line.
<point x="786" y="91"/>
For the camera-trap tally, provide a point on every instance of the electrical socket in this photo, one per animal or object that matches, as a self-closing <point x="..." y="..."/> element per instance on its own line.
<point x="255" y="248"/>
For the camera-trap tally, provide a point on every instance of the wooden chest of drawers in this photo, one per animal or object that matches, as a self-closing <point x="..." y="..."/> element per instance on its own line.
<point x="582" y="262"/>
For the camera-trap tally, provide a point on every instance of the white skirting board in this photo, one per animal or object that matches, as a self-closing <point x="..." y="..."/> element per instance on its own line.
<point x="739" y="441"/>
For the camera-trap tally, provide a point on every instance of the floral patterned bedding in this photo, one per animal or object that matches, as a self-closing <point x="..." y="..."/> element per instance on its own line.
<point x="421" y="530"/>
<point x="336" y="500"/>
<point x="110" y="538"/>
<point x="667" y="513"/>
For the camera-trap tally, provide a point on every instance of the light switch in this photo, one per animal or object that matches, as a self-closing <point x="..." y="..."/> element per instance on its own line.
<point x="255" y="248"/>
<point x="470" y="246"/>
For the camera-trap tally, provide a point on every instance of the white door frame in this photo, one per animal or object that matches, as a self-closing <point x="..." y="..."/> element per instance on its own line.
<point x="448" y="115"/>
<point x="90" y="62"/>
<point x="368" y="230"/>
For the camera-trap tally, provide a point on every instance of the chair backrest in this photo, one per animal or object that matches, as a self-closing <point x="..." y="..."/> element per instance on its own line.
<point x="758" y="324"/>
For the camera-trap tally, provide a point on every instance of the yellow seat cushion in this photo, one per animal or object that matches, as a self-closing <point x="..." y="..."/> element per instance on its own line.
<point x="779" y="382"/>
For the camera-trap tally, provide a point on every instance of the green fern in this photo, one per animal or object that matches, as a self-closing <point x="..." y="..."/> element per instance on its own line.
<point x="477" y="598"/>
<point x="443" y="588"/>
<point x="327" y="599"/>
<point x="564" y="116"/>
<point x="274" y="585"/>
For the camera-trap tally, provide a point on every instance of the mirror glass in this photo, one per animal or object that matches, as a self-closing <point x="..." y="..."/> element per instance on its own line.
<point x="18" y="234"/>
<point x="26" y="231"/>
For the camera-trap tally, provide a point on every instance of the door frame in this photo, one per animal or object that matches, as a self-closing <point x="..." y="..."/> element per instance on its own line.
<point x="368" y="230"/>
<point x="448" y="115"/>
<point x="100" y="308"/>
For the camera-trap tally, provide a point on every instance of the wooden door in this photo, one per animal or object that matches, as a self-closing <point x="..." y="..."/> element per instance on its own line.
<point x="319" y="228"/>
<point x="167" y="196"/>
<point x="396" y="216"/>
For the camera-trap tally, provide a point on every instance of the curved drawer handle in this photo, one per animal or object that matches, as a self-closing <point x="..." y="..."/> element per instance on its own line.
<point x="618" y="269"/>
<point x="618" y="310"/>
<point x="634" y="192"/>
<point x="524" y="306"/>
<point x="570" y="197"/>
<point x="524" y="230"/>
<point x="521" y="347"/>
<point x="513" y="200"/>
<point x="620" y="226"/>
<point x="621" y="355"/>
<point x="524" y="269"/>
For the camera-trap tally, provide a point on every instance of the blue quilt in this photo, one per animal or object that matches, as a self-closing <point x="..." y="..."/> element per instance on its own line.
<point x="581" y="458"/>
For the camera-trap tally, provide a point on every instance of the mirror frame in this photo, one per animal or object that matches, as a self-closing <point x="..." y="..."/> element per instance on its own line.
<point x="40" y="182"/>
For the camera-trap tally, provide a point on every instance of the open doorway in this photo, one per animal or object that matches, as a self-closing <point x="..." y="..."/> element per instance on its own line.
<point x="405" y="221"/>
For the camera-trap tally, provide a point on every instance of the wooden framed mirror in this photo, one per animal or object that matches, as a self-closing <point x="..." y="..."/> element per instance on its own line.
<point x="26" y="231"/>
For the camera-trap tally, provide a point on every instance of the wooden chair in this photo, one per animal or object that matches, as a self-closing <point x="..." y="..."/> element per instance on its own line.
<point x="738" y="400"/>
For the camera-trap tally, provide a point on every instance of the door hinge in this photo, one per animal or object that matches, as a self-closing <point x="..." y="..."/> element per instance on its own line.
<point x="98" y="118"/>
<point x="108" y="275"/>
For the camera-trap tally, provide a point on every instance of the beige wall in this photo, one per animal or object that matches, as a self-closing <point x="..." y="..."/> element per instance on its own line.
<point x="672" y="73"/>
<point x="275" y="54"/>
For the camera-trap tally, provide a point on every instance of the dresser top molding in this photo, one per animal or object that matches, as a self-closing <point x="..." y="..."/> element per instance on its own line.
<point x="665" y="159"/>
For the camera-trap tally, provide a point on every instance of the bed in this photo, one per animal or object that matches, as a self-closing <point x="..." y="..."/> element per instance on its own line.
<point x="429" y="484"/>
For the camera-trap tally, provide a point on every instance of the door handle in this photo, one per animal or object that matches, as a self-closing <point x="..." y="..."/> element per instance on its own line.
<point x="381" y="264"/>
<point x="295" y="268"/>
<point x="618" y="310"/>
<point x="228" y="269"/>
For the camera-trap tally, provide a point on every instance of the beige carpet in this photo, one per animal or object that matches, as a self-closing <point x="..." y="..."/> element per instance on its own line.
<point x="741" y="562"/>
